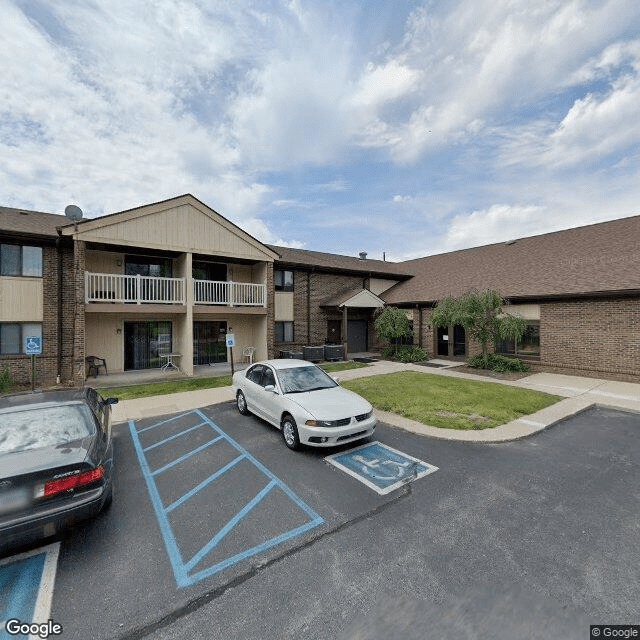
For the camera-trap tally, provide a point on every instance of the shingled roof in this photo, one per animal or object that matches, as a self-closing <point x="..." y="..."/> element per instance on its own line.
<point x="33" y="223"/>
<point x="595" y="259"/>
<point x="335" y="262"/>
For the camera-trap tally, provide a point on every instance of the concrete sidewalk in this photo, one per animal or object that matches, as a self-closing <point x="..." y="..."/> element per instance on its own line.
<point x="579" y="394"/>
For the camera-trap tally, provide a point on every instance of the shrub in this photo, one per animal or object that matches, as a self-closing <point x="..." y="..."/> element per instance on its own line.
<point x="388" y="352"/>
<point x="409" y="353"/>
<point x="6" y="381"/>
<point x="497" y="363"/>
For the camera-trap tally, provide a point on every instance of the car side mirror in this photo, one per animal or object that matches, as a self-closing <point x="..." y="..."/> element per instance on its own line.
<point x="271" y="388"/>
<point x="111" y="401"/>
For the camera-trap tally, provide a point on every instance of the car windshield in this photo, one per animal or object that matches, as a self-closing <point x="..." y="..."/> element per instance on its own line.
<point x="31" y="427"/>
<point x="302" y="379"/>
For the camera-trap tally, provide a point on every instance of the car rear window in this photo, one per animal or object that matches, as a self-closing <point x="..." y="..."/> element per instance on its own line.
<point x="37" y="427"/>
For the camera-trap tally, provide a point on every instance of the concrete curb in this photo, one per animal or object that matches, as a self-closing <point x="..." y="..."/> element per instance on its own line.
<point x="580" y="394"/>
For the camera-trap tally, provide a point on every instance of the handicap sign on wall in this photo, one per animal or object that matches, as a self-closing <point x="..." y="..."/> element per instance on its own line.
<point x="380" y="467"/>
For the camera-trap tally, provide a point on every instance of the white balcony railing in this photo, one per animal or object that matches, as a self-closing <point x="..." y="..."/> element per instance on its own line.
<point x="112" y="287"/>
<point x="229" y="294"/>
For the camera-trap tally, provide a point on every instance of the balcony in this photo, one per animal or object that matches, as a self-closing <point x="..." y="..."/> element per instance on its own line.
<point x="116" y="288"/>
<point x="111" y="287"/>
<point x="229" y="294"/>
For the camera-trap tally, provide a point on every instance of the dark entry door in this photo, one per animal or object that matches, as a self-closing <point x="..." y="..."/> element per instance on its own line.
<point x="356" y="336"/>
<point x="209" y="344"/>
<point x="443" y="341"/>
<point x="144" y="341"/>
<point x="451" y="341"/>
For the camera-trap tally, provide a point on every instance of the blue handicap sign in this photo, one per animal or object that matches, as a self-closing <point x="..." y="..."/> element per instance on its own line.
<point x="380" y="467"/>
<point x="33" y="345"/>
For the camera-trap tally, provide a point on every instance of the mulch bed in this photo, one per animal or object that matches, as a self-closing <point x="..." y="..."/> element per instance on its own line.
<point x="490" y="374"/>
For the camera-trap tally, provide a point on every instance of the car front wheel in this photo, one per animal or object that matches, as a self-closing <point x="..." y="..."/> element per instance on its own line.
<point x="290" y="433"/>
<point x="241" y="403"/>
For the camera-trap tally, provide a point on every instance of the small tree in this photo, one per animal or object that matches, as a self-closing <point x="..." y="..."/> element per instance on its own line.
<point x="482" y="317"/>
<point x="393" y="325"/>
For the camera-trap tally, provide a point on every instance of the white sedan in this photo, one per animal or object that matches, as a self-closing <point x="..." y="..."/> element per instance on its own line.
<point x="307" y="404"/>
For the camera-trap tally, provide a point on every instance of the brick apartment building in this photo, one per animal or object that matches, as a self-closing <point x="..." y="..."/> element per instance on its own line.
<point x="175" y="276"/>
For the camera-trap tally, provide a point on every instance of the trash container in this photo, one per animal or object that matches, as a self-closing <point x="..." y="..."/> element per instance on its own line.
<point x="285" y="354"/>
<point x="296" y="355"/>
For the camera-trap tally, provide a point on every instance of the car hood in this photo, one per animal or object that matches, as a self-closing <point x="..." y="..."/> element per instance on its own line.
<point x="32" y="460"/>
<point x="331" y="404"/>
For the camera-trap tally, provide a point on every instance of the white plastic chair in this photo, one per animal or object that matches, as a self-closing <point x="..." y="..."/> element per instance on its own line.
<point x="247" y="352"/>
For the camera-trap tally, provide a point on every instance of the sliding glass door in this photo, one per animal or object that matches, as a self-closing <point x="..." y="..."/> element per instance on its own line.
<point x="209" y="345"/>
<point x="144" y="342"/>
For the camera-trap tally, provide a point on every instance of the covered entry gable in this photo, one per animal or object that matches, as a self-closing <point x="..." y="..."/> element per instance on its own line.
<point x="181" y="224"/>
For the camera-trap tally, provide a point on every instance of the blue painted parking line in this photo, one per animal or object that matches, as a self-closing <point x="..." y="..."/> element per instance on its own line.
<point x="185" y="569"/>
<point x="26" y="587"/>
<point x="380" y="467"/>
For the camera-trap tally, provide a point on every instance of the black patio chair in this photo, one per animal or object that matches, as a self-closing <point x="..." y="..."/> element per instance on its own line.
<point x="94" y="364"/>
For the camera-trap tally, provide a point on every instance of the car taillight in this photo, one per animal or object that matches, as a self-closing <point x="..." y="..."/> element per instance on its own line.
<point x="72" y="482"/>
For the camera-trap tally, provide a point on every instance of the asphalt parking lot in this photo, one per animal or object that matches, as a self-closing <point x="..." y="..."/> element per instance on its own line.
<point x="541" y="534"/>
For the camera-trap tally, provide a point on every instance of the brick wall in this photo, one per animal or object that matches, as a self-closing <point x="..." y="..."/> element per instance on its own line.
<point x="599" y="336"/>
<point x="270" y="313"/>
<point x="321" y="286"/>
<point x="47" y="363"/>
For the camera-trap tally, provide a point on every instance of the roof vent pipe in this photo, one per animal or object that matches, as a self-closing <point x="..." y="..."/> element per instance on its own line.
<point x="362" y="255"/>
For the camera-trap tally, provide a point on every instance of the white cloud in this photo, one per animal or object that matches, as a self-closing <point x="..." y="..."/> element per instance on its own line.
<point x="499" y="222"/>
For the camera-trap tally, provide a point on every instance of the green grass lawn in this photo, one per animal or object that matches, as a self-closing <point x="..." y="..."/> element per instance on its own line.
<point x="449" y="403"/>
<point x="164" y="388"/>
<point x="176" y="386"/>
<point x="330" y="367"/>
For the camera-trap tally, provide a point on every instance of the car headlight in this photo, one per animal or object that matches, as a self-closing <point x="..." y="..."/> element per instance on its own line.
<point x="321" y="423"/>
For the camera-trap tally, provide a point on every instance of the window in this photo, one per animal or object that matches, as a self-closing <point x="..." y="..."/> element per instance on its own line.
<point x="283" y="280"/>
<point x="284" y="331"/>
<point x="12" y="336"/>
<point x="527" y="347"/>
<point x="16" y="260"/>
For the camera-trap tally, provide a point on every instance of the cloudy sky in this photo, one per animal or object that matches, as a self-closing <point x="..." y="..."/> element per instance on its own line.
<point x="406" y="127"/>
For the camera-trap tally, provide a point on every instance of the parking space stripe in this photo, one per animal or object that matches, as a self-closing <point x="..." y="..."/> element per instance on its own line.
<point x="157" y="424"/>
<point x="27" y="581"/>
<point x="306" y="508"/>
<point x="181" y="569"/>
<point x="186" y="456"/>
<point x="175" y="435"/>
<point x="169" y="539"/>
<point x="213" y="543"/>
<point x="204" y="483"/>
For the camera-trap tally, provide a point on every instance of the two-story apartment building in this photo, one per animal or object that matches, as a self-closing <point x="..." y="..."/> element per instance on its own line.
<point x="131" y="287"/>
<point x="174" y="277"/>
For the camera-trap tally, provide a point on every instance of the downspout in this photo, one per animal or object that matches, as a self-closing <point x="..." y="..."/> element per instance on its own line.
<point x="59" y="318"/>
<point x="419" y="326"/>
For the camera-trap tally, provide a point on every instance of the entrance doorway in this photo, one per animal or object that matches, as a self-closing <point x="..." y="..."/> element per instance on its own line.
<point x="451" y="342"/>
<point x="144" y="341"/>
<point x="357" y="341"/>
<point x="209" y="345"/>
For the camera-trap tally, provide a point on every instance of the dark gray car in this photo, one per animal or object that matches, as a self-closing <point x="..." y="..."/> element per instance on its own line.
<point x="56" y="459"/>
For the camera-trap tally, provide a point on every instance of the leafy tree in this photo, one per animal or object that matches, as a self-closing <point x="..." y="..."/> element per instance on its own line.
<point x="393" y="325"/>
<point x="480" y="313"/>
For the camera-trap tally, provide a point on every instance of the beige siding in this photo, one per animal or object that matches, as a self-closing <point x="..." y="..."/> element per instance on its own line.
<point x="283" y="309"/>
<point x="104" y="341"/>
<point x="21" y="299"/>
<point x="105" y="262"/>
<point x="179" y="228"/>
<point x="378" y="285"/>
<point x="239" y="273"/>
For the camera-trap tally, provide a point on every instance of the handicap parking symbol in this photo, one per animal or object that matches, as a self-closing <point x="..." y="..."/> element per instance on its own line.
<point x="380" y="467"/>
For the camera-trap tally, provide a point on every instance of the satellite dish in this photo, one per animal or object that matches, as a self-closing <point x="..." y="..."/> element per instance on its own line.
<point x="73" y="213"/>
